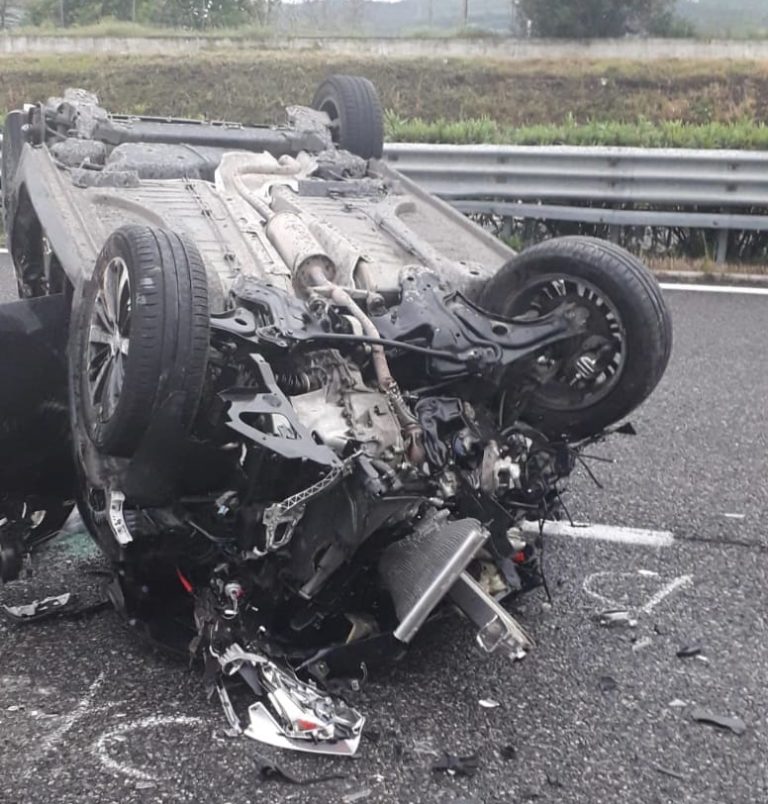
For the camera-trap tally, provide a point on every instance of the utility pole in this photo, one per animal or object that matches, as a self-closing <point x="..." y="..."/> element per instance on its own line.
<point x="466" y="12"/>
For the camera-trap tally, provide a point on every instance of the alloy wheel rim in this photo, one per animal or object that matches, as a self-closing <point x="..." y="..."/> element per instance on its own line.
<point x="583" y="378"/>
<point x="109" y="338"/>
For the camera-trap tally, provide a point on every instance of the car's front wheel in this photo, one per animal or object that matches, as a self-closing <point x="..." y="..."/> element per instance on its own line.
<point x="591" y="381"/>
<point x="141" y="335"/>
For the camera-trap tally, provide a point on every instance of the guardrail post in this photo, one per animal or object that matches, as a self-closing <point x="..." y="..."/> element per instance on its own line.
<point x="722" y="246"/>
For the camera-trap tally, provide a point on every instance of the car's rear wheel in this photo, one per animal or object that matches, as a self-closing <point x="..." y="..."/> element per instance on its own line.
<point x="141" y="335"/>
<point x="357" y="118"/>
<point x="591" y="381"/>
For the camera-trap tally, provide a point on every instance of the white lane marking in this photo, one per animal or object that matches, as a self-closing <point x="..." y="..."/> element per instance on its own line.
<point x="99" y="747"/>
<point x="605" y="533"/>
<point x="715" y="288"/>
<point x="682" y="582"/>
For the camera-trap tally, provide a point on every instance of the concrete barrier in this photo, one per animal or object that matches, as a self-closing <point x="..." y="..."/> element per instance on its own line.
<point x="496" y="48"/>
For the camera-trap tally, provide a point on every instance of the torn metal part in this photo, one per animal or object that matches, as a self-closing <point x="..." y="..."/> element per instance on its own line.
<point x="499" y="630"/>
<point x="41" y="609"/>
<point x="734" y="724"/>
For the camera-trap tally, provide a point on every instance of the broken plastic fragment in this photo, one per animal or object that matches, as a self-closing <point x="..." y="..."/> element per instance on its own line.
<point x="291" y="713"/>
<point x="641" y="644"/>
<point x="734" y="724"/>
<point x="688" y="651"/>
<point x="608" y="683"/>
<point x="669" y="772"/>
<point x="272" y="771"/>
<point x="357" y="795"/>
<point x="40" y="609"/>
<point x="489" y="703"/>
<point x="508" y="752"/>
<point x="616" y="618"/>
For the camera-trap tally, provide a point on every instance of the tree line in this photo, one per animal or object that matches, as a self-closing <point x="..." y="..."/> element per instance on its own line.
<point x="540" y="18"/>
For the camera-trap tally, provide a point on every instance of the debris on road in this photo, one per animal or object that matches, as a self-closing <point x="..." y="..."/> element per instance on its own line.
<point x="678" y="704"/>
<point x="357" y="795"/>
<point x="734" y="724"/>
<point x="735" y="516"/>
<point x="272" y="771"/>
<point x="40" y="609"/>
<point x="689" y="651"/>
<point x="489" y="703"/>
<point x="608" y="683"/>
<point x="668" y="772"/>
<point x="616" y="618"/>
<point x="641" y="644"/>
<point x="457" y="766"/>
<point x="508" y="752"/>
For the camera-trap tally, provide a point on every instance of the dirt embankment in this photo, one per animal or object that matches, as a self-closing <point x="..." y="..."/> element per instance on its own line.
<point x="256" y="86"/>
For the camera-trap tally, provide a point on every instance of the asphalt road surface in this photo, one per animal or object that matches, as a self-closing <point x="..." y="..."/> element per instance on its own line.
<point x="593" y="715"/>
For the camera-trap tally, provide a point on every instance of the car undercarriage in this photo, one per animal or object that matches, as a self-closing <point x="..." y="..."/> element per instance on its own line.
<point x="300" y="404"/>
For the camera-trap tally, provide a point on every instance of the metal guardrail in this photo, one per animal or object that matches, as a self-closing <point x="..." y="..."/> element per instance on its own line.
<point x="555" y="183"/>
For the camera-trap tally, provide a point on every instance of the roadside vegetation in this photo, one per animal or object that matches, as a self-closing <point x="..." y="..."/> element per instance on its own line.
<point x="675" y="103"/>
<point x="739" y="135"/>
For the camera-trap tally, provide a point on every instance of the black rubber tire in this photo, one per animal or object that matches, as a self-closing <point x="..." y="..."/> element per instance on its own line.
<point x="169" y="335"/>
<point x="354" y="106"/>
<point x="637" y="297"/>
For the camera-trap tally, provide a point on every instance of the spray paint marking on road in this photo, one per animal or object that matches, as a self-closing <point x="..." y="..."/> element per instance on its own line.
<point x="605" y="533"/>
<point x="626" y="579"/>
<point x="99" y="747"/>
<point x="682" y="582"/>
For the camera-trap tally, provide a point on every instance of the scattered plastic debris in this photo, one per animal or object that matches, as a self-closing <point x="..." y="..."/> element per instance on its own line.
<point x="457" y="766"/>
<point x="554" y="781"/>
<point x="735" y="516"/>
<point x="145" y="785"/>
<point x="648" y="573"/>
<point x="608" y="683"/>
<point x="271" y="771"/>
<point x="669" y="772"/>
<point x="508" y="752"/>
<point x="678" y="704"/>
<point x="689" y="651"/>
<point x="702" y="659"/>
<point x="641" y="644"/>
<point x="734" y="724"/>
<point x="489" y="703"/>
<point x="357" y="795"/>
<point x="616" y="618"/>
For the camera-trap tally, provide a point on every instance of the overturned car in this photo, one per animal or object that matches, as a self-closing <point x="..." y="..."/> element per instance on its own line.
<point x="298" y="402"/>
